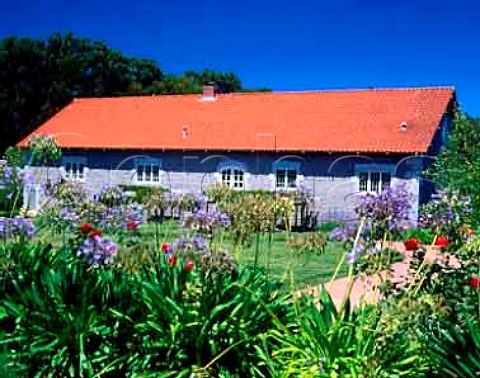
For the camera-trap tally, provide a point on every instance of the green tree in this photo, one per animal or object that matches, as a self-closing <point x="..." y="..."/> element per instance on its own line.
<point x="38" y="78"/>
<point x="458" y="165"/>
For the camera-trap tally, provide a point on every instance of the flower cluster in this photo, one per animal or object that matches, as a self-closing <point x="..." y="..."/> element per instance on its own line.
<point x="44" y="149"/>
<point x="389" y="211"/>
<point x="13" y="178"/>
<point x="450" y="210"/>
<point x="111" y="196"/>
<point x="206" y="221"/>
<point x="127" y="216"/>
<point x="172" y="258"/>
<point x="196" y="249"/>
<point x="158" y="202"/>
<point x="66" y="192"/>
<point x="96" y="250"/>
<point x="382" y="214"/>
<point x="16" y="227"/>
<point x="186" y="201"/>
<point x="344" y="234"/>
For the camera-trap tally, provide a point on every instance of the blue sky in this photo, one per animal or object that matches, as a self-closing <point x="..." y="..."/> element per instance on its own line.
<point x="284" y="45"/>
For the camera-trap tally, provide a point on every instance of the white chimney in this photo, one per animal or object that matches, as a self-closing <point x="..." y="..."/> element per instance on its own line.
<point x="403" y="126"/>
<point x="208" y="93"/>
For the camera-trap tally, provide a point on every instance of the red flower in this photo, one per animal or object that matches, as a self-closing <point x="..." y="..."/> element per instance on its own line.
<point x="132" y="226"/>
<point x="474" y="282"/>
<point x="189" y="265"/>
<point x="96" y="232"/>
<point x="412" y="244"/>
<point x="442" y="242"/>
<point x="172" y="260"/>
<point x="166" y="247"/>
<point x="86" y="227"/>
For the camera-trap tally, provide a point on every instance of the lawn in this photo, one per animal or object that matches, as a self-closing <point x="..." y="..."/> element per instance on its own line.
<point x="300" y="270"/>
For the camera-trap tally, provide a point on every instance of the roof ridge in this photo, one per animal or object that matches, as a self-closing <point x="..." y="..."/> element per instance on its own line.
<point x="308" y="91"/>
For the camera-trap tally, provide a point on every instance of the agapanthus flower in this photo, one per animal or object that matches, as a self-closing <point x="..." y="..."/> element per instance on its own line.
<point x="69" y="217"/>
<point x="196" y="248"/>
<point x="111" y="195"/>
<point x="389" y="210"/>
<point x="28" y="178"/>
<point x="16" y="227"/>
<point x="207" y="221"/>
<point x="97" y="251"/>
<point x="344" y="233"/>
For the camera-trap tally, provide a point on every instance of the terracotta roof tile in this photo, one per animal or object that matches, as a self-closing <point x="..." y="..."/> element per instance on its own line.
<point x="330" y="121"/>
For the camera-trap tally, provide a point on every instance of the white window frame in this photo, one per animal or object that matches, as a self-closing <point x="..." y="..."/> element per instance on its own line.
<point x="371" y="170"/>
<point x="232" y="166"/>
<point x="148" y="177"/>
<point x="287" y="166"/>
<point x="74" y="174"/>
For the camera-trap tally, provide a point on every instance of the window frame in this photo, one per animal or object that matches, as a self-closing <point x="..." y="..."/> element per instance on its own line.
<point x="80" y="161"/>
<point x="232" y="166"/>
<point x="365" y="173"/>
<point x="286" y="166"/>
<point x="151" y="163"/>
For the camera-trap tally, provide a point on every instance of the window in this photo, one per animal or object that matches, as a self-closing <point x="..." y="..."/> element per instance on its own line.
<point x="374" y="177"/>
<point x="147" y="170"/>
<point x="74" y="168"/>
<point x="233" y="178"/>
<point x="286" y="174"/>
<point x="232" y="174"/>
<point x="286" y="178"/>
<point x="373" y="181"/>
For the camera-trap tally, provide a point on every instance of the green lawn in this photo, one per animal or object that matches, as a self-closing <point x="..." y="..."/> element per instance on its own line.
<point x="281" y="262"/>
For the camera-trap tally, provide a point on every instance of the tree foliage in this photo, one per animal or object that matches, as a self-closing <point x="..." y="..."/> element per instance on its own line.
<point x="38" y="78"/>
<point x="458" y="165"/>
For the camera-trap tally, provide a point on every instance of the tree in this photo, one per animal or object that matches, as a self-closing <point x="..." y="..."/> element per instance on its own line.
<point x="38" y="78"/>
<point x="458" y="165"/>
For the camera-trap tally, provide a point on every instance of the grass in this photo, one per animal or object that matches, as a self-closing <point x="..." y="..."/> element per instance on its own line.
<point x="274" y="256"/>
<point x="311" y="269"/>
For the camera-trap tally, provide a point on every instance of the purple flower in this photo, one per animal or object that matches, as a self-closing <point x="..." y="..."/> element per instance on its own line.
<point x="97" y="251"/>
<point x="16" y="227"/>
<point x="195" y="243"/>
<point x="207" y="221"/>
<point x="28" y="177"/>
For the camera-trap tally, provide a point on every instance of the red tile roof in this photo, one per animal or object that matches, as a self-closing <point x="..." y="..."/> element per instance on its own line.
<point x="330" y="121"/>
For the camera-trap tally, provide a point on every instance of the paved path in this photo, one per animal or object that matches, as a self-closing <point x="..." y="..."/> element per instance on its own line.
<point x="366" y="288"/>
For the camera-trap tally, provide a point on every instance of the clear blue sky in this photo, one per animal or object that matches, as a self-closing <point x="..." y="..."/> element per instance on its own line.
<point x="284" y="45"/>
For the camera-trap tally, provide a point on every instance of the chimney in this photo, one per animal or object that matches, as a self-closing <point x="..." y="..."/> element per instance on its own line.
<point x="208" y="93"/>
<point x="403" y="126"/>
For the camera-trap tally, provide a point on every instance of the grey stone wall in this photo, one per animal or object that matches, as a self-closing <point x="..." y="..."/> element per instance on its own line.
<point x="331" y="178"/>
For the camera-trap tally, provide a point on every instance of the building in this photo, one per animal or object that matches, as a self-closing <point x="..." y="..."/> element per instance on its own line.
<point x="334" y="143"/>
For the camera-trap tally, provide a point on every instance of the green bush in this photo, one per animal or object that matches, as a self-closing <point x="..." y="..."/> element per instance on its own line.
<point x="140" y="192"/>
<point x="327" y="342"/>
<point x="326" y="227"/>
<point x="62" y="317"/>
